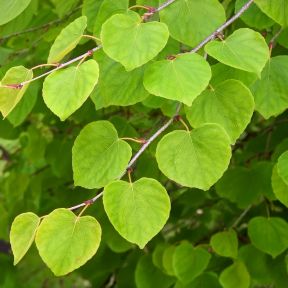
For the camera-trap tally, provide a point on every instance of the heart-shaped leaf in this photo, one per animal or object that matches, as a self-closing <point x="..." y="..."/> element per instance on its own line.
<point x="229" y="104"/>
<point x="197" y="158"/>
<point x="10" y="97"/>
<point x="280" y="188"/>
<point x="67" y="40"/>
<point x="65" y="91"/>
<point x="245" y="49"/>
<point x="65" y="242"/>
<point x="182" y="78"/>
<point x="22" y="234"/>
<point x="189" y="262"/>
<point x="269" y="235"/>
<point x="282" y="165"/>
<point x="98" y="155"/>
<point x="122" y="42"/>
<point x="126" y="205"/>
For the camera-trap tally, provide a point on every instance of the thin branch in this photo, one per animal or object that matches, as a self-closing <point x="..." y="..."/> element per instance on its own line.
<point x="222" y="27"/>
<point x="164" y="5"/>
<point x="242" y="215"/>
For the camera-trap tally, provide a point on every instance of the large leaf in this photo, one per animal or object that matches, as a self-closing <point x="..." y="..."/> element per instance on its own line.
<point x="282" y="167"/>
<point x="22" y="234"/>
<point x="64" y="91"/>
<point x="271" y="91"/>
<point x="182" y="78"/>
<point x="269" y="235"/>
<point x="133" y="43"/>
<point x="98" y="155"/>
<point x="65" y="242"/>
<point x="10" y="9"/>
<point x="188" y="24"/>
<point x="229" y="104"/>
<point x="225" y="243"/>
<point x="197" y="158"/>
<point x="10" y="97"/>
<point x="280" y="188"/>
<point x="235" y="275"/>
<point x="189" y="262"/>
<point x="123" y="90"/>
<point x="276" y="9"/>
<point x="245" y="49"/>
<point x="126" y="205"/>
<point x="67" y="40"/>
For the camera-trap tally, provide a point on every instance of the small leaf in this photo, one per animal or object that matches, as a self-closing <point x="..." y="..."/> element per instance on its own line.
<point x="280" y="188"/>
<point x="182" y="78"/>
<point x="65" y="91"/>
<point x="65" y="242"/>
<point x="126" y="205"/>
<point x="10" y="9"/>
<point x="269" y="235"/>
<point x="235" y="275"/>
<point x="10" y="97"/>
<point x="229" y="104"/>
<point x="245" y="49"/>
<point x="225" y="243"/>
<point x="189" y="262"/>
<point x="98" y="155"/>
<point x="197" y="158"/>
<point x="22" y="234"/>
<point x="282" y="165"/>
<point x="67" y="40"/>
<point x="122" y="42"/>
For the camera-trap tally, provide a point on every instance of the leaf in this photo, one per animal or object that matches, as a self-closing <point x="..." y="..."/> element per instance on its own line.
<point x="235" y="275"/>
<point x="126" y="205"/>
<point x="269" y="235"/>
<point x="10" y="97"/>
<point x="98" y="155"/>
<point x="147" y="275"/>
<point x="182" y="78"/>
<point x="280" y="188"/>
<point x="206" y="279"/>
<point x="275" y="9"/>
<point x="11" y="9"/>
<point x="151" y="37"/>
<point x="225" y="243"/>
<point x="245" y="49"/>
<point x="197" y="158"/>
<point x="90" y="8"/>
<point x="271" y="91"/>
<point x="186" y="23"/>
<point x="123" y="90"/>
<point x="189" y="262"/>
<point x="167" y="260"/>
<point x="282" y="164"/>
<point x="22" y="234"/>
<point x="64" y="91"/>
<point x="67" y="40"/>
<point x="229" y="104"/>
<point x="65" y="242"/>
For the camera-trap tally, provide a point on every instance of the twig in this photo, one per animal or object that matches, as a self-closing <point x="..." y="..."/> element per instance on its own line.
<point x="242" y="215"/>
<point x="164" y="5"/>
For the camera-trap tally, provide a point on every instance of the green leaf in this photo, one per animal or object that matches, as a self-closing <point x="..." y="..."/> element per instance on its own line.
<point x="11" y="9"/>
<point x="269" y="235"/>
<point x="123" y="90"/>
<point x="65" y="242"/>
<point x="98" y="155"/>
<point x="275" y="9"/>
<point x="225" y="243"/>
<point x="147" y="275"/>
<point x="280" y="188"/>
<point x="126" y="205"/>
<point x="10" y="97"/>
<point x="245" y="49"/>
<point x="229" y="104"/>
<point x="90" y="8"/>
<point x="67" y="40"/>
<point x="197" y="158"/>
<point x="186" y="22"/>
<point x="22" y="234"/>
<point x="167" y="260"/>
<point x="122" y="42"/>
<point x="207" y="279"/>
<point x="271" y="91"/>
<point x="65" y="91"/>
<point x="235" y="275"/>
<point x="282" y="166"/>
<point x="189" y="262"/>
<point x="182" y="78"/>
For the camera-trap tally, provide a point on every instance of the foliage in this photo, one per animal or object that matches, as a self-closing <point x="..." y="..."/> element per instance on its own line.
<point x="149" y="149"/>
